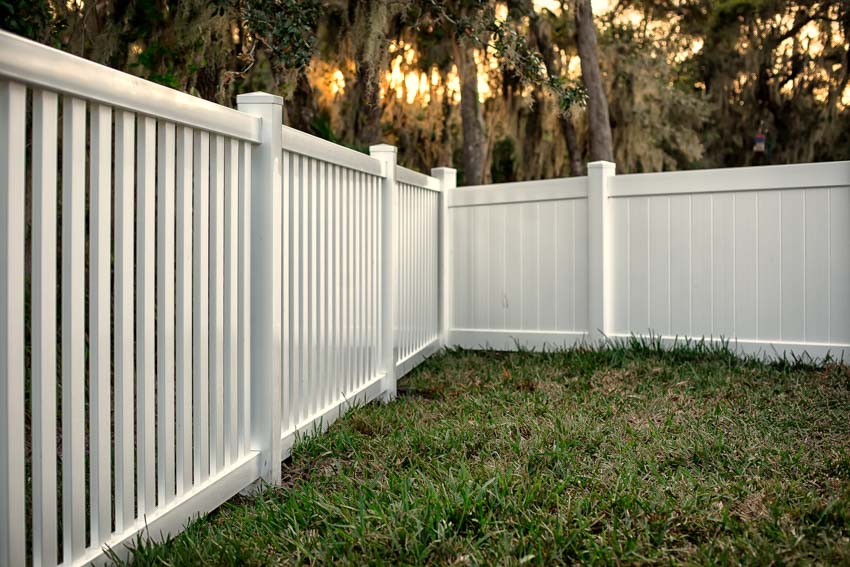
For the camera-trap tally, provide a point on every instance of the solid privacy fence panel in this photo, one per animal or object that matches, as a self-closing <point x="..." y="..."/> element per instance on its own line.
<point x="757" y="256"/>
<point x="185" y="289"/>
<point x="519" y="263"/>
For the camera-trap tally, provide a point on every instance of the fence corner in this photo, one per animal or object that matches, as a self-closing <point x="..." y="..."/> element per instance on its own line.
<point x="600" y="250"/>
<point x="388" y="155"/>
<point x="448" y="181"/>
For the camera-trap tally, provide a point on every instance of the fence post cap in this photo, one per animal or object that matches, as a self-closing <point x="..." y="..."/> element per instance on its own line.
<point x="603" y="165"/>
<point x="382" y="148"/>
<point x="259" y="98"/>
<point x="442" y="170"/>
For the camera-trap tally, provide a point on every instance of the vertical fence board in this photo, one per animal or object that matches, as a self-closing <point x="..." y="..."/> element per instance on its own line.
<point x="73" y="327"/>
<point x="100" y="296"/>
<point x="321" y="256"/>
<point x="839" y="261"/>
<point x="746" y="259"/>
<point x="231" y="251"/>
<point x="44" y="217"/>
<point x="200" y="306"/>
<point x="125" y="463"/>
<point x="333" y="279"/>
<point x="769" y="267"/>
<point x="244" y="299"/>
<point x="217" y="228"/>
<point x="792" y="263"/>
<point x="12" y="146"/>
<point x="346" y="280"/>
<point x="816" y="253"/>
<point x="185" y="145"/>
<point x="165" y="312"/>
<point x="659" y="247"/>
<point x="145" y="315"/>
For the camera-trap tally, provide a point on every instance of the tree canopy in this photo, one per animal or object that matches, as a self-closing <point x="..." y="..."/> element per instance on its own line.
<point x="504" y="90"/>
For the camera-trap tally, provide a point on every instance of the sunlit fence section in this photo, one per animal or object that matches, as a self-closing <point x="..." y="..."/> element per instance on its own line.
<point x="418" y="316"/>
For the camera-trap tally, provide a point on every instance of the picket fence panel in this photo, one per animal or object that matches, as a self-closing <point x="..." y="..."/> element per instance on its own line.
<point x="418" y="330"/>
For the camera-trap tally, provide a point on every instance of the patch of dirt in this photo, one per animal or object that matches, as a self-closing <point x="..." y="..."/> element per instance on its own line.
<point x="752" y="508"/>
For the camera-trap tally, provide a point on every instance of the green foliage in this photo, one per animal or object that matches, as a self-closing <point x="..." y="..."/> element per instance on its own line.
<point x="622" y="456"/>
<point x="286" y="27"/>
<point x="29" y="18"/>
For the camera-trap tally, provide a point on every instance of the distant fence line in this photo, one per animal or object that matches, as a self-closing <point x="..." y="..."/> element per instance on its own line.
<point x="228" y="283"/>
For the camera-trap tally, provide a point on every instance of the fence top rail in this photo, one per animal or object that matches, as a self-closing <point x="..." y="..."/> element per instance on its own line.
<point x="51" y="69"/>
<point x="519" y="192"/>
<point x="759" y="178"/>
<point x="302" y="143"/>
<point x="411" y="177"/>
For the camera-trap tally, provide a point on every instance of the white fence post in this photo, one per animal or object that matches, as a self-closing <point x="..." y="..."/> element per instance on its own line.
<point x="600" y="250"/>
<point x="448" y="181"/>
<point x="266" y="316"/>
<point x="389" y="275"/>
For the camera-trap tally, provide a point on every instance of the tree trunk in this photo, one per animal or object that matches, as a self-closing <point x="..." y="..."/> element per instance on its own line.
<point x="598" y="122"/>
<point x="568" y="131"/>
<point x="472" y="119"/>
<point x="301" y="110"/>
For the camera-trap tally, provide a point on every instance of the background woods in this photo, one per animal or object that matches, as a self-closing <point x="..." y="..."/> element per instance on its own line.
<point x="514" y="90"/>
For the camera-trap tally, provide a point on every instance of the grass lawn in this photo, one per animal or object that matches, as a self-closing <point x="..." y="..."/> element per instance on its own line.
<point x="619" y="456"/>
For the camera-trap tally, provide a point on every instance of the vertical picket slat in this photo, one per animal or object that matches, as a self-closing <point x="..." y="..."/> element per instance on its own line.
<point x="326" y="291"/>
<point x="217" y="305"/>
<point x="165" y="313"/>
<point x="306" y="367"/>
<point x="376" y="291"/>
<point x="313" y="287"/>
<point x="12" y="146"/>
<point x="183" y="189"/>
<point x="44" y="215"/>
<point x="404" y="270"/>
<point x="100" y="368"/>
<point x="344" y="284"/>
<point x="337" y="283"/>
<point x="358" y="271"/>
<point x="244" y="299"/>
<point x="295" y="293"/>
<point x="73" y="327"/>
<point x="125" y="464"/>
<point x="200" y="303"/>
<point x="320" y="376"/>
<point x="378" y="343"/>
<point x="231" y="250"/>
<point x="145" y="314"/>
<point x="407" y="250"/>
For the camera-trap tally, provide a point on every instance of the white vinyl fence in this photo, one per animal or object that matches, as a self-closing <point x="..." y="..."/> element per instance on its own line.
<point x="200" y="285"/>
<point x="418" y="329"/>
<point x="192" y="287"/>
<point x="758" y="256"/>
